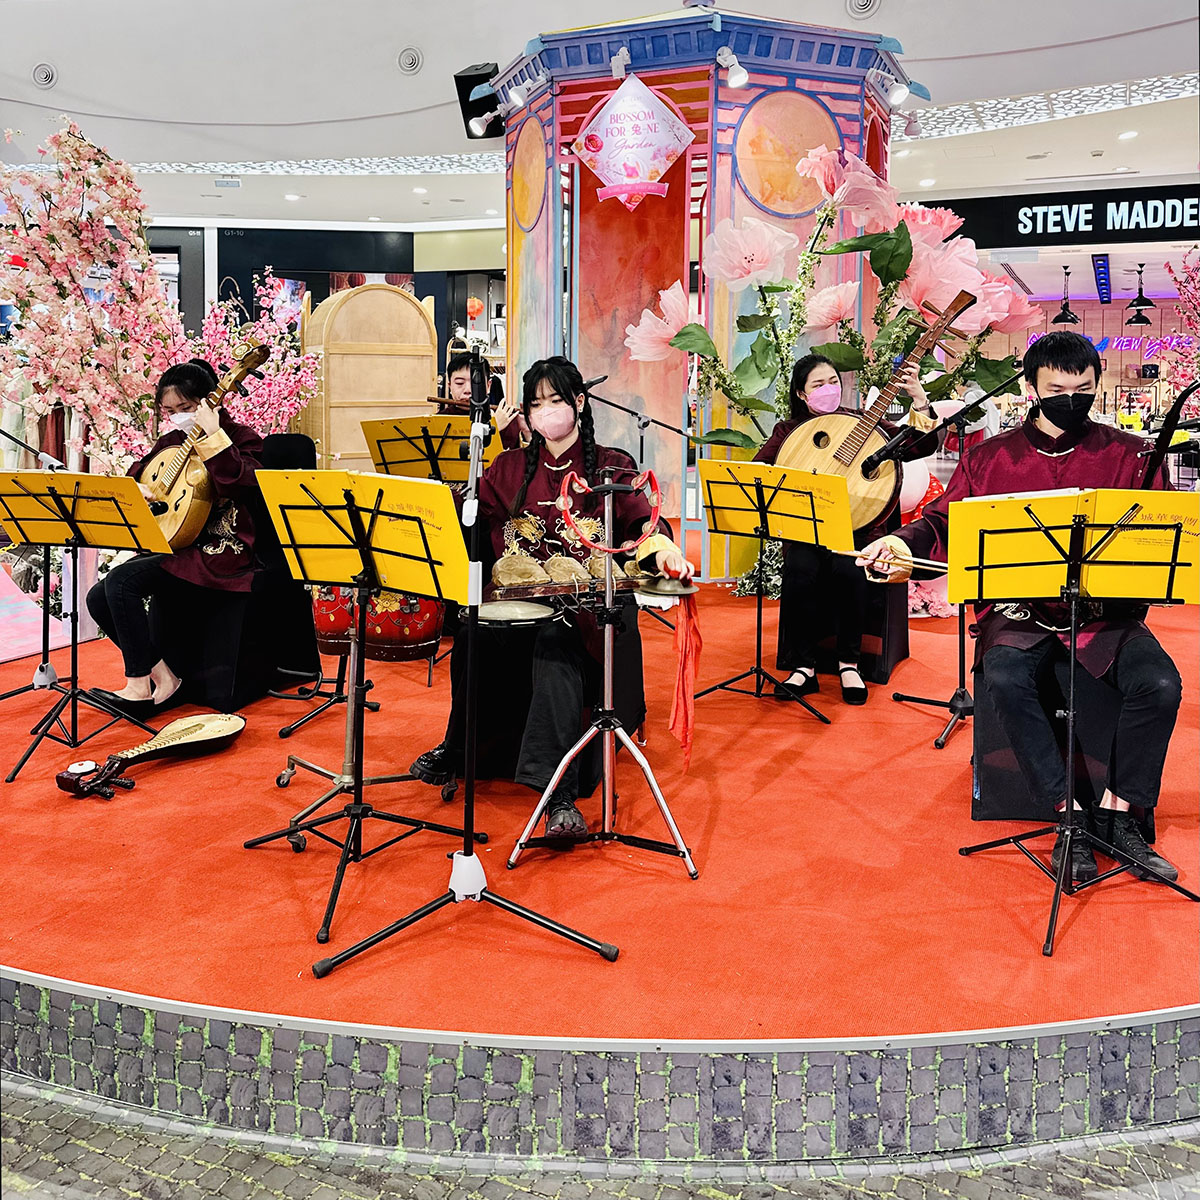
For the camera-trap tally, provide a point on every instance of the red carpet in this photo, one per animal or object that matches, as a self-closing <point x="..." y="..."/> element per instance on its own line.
<point x="831" y="900"/>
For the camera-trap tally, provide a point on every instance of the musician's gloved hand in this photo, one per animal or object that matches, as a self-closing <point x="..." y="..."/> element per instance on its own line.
<point x="208" y="418"/>
<point x="673" y="565"/>
<point x="886" y="560"/>
<point x="506" y="412"/>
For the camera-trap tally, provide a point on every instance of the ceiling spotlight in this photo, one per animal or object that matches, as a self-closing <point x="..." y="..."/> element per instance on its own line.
<point x="927" y="182"/>
<point x="1128" y="135"/>
<point x="619" y="62"/>
<point x="1065" y="316"/>
<point x="737" y="76"/>
<point x="912" y="126"/>
<point x="420" y="191"/>
<point x="1140" y="301"/>
<point x="897" y="93"/>
<point x="893" y="90"/>
<point x="374" y="218"/>
<point x="479" y="125"/>
<point x="1139" y="318"/>
<point x="290" y="196"/>
<point x="517" y="97"/>
<point x="492" y="212"/>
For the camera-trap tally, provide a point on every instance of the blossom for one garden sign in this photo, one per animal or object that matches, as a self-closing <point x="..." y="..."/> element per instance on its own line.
<point x="631" y="143"/>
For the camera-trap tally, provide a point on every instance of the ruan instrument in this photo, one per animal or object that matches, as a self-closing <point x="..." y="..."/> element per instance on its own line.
<point x="177" y="477"/>
<point x="838" y="443"/>
<point x="189" y="735"/>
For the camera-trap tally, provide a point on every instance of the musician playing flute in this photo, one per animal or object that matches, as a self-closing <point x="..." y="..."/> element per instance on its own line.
<point x="1058" y="446"/>
<point x="518" y="497"/>
<point x="505" y="413"/>
<point x="813" y="578"/>
<point x="220" y="559"/>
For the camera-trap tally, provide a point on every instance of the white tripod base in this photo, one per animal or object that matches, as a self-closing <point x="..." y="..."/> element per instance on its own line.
<point x="467" y="879"/>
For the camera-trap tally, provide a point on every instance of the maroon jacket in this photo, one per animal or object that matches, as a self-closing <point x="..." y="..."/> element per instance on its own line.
<point x="222" y="557"/>
<point x="1027" y="460"/>
<point x="921" y="447"/>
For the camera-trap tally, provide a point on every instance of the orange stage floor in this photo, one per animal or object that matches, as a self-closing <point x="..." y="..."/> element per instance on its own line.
<point x="831" y="900"/>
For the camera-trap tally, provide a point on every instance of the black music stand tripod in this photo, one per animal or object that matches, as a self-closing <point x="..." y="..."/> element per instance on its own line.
<point x="961" y="703"/>
<point x="467" y="878"/>
<point x="1076" y="558"/>
<point x="761" y="676"/>
<point x="350" y="780"/>
<point x="607" y="726"/>
<point x="73" y="511"/>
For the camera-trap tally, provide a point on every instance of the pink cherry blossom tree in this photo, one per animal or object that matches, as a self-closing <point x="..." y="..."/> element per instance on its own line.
<point x="76" y="221"/>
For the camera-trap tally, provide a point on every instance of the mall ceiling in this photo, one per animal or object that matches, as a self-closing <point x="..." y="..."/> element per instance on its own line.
<point x="242" y="83"/>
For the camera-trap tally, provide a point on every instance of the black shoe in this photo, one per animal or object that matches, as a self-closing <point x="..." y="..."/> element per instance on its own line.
<point x="138" y="709"/>
<point x="1125" y="834"/>
<point x="789" y="691"/>
<point x="435" y="767"/>
<point x="1083" y="861"/>
<point x="852" y="695"/>
<point x="564" y="821"/>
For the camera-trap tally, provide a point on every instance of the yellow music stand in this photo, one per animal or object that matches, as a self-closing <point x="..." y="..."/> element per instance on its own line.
<point x="753" y="499"/>
<point x="60" y="508"/>
<point x="425" y="447"/>
<point x="1098" y="544"/>
<point x="368" y="532"/>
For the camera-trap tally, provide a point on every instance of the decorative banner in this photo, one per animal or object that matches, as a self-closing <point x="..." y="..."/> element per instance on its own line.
<point x="631" y="143"/>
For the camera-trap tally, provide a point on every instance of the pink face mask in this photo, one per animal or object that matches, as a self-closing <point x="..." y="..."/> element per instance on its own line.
<point x="553" y="421"/>
<point x="825" y="399"/>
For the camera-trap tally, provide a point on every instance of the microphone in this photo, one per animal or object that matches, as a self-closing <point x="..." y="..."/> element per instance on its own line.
<point x="588" y="384"/>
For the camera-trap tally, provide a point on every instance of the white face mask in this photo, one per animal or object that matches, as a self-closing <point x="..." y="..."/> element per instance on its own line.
<point x="179" y="420"/>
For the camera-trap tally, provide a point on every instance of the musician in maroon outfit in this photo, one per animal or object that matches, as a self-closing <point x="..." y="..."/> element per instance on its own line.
<point x="813" y="577"/>
<point x="221" y="558"/>
<point x="505" y="413"/>
<point x="1059" y="447"/>
<point x="517" y="505"/>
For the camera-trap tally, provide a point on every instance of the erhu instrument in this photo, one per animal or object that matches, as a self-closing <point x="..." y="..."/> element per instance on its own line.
<point x="838" y="443"/>
<point x="189" y="735"/>
<point x="177" y="476"/>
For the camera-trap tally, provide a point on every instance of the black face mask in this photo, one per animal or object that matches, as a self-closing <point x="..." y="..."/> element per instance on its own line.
<point x="1067" y="412"/>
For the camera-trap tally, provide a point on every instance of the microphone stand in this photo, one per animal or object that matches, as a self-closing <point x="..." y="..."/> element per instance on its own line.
<point x="45" y="676"/>
<point x="467" y="878"/>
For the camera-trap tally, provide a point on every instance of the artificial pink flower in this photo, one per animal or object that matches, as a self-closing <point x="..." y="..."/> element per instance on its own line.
<point x="929" y="225"/>
<point x="938" y="273"/>
<point x="650" y="339"/>
<point x="831" y="305"/>
<point x="865" y="198"/>
<point x="1014" y="313"/>
<point x="749" y="256"/>
<point x="824" y="167"/>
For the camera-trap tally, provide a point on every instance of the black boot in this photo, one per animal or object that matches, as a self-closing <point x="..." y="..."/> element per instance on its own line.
<point x="563" y="819"/>
<point x="1083" y="861"/>
<point x="1122" y="832"/>
<point x="436" y="767"/>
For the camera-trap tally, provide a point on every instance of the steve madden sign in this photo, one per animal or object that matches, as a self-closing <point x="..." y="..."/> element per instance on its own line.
<point x="1081" y="218"/>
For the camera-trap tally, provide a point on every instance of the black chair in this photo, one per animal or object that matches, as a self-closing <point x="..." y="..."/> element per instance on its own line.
<point x="234" y="647"/>
<point x="1000" y="792"/>
<point x="885" y="636"/>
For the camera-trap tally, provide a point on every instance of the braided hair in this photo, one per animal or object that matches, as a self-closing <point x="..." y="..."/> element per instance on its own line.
<point x="195" y="379"/>
<point x="564" y="377"/>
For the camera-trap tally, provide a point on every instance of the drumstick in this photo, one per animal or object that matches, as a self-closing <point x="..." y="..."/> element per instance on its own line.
<point x="924" y="564"/>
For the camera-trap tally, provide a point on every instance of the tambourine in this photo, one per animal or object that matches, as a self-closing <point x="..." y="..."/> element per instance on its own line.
<point x="580" y="485"/>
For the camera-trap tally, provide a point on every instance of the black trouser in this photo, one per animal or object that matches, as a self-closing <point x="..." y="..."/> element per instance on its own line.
<point x="118" y="605"/>
<point x="535" y="687"/>
<point x="816" y="583"/>
<point x="1150" y="693"/>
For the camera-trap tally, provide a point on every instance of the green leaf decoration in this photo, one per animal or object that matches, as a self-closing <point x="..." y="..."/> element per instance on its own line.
<point x="890" y="332"/>
<point x="725" y="437"/>
<point x="992" y="372"/>
<point x="765" y="354"/>
<point x="775" y="287"/>
<point x="865" y="241"/>
<point x="753" y="404"/>
<point x="750" y="378"/>
<point x="891" y="259"/>
<point x="694" y="339"/>
<point x="843" y="357"/>
<point x="929" y="363"/>
<point x="939" y="388"/>
<point x="753" y="321"/>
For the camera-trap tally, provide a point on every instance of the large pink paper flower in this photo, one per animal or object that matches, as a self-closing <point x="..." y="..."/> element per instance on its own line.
<point x="865" y="198"/>
<point x="824" y="167"/>
<point x="938" y="273"/>
<point x="747" y="257"/>
<point x="831" y="305"/>
<point x="1013" y="312"/>
<point x="929" y="225"/>
<point x="650" y="339"/>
